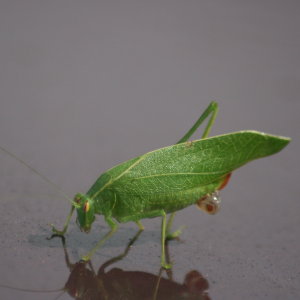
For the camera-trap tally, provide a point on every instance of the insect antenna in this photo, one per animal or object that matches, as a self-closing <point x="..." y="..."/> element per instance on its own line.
<point x="46" y="179"/>
<point x="60" y="294"/>
<point x="32" y="290"/>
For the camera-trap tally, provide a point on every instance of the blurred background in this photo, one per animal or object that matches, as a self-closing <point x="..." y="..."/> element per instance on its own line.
<point x="85" y="85"/>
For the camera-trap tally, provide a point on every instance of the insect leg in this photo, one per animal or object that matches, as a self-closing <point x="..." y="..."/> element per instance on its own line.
<point x="152" y="214"/>
<point x="62" y="232"/>
<point x="113" y="225"/>
<point x="121" y="256"/>
<point x="211" y="111"/>
<point x="175" y="234"/>
<point x="164" y="264"/>
<point x="140" y="225"/>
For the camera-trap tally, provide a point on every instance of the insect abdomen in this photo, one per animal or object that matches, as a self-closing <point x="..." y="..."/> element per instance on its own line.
<point x="131" y="205"/>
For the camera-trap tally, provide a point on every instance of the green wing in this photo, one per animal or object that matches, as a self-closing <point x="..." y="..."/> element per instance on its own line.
<point x="178" y="175"/>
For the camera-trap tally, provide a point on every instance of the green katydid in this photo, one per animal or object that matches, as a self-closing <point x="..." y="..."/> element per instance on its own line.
<point x="169" y="179"/>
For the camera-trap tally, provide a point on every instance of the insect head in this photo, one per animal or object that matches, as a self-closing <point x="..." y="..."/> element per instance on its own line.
<point x="85" y="212"/>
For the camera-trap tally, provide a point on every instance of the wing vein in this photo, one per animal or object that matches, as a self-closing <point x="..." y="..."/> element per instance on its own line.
<point x="123" y="173"/>
<point x="179" y="174"/>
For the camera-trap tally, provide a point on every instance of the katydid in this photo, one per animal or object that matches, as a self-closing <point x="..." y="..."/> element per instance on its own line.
<point x="169" y="179"/>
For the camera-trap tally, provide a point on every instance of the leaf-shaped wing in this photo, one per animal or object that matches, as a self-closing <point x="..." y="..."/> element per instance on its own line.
<point x="187" y="166"/>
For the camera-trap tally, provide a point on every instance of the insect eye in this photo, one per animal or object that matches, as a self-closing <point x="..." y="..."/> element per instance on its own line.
<point x="77" y="199"/>
<point x="86" y="207"/>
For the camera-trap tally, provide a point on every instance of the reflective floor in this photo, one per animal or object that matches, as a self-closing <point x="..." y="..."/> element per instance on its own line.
<point x="87" y="85"/>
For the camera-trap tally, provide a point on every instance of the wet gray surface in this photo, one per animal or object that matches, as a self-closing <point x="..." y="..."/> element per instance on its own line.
<point x="85" y="85"/>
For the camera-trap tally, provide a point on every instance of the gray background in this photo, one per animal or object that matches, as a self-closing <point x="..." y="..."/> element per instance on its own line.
<point x="85" y="85"/>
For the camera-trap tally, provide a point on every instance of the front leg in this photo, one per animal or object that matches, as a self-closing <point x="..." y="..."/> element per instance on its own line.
<point x="113" y="228"/>
<point x="62" y="232"/>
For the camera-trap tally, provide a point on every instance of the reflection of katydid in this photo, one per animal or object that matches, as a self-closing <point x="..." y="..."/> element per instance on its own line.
<point x="169" y="179"/>
<point x="85" y="282"/>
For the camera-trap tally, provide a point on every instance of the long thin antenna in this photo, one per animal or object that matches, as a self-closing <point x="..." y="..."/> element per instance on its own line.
<point x="30" y="290"/>
<point x="39" y="174"/>
<point x="59" y="295"/>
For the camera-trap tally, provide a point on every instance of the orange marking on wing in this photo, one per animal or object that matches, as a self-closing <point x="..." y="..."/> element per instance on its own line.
<point x="225" y="181"/>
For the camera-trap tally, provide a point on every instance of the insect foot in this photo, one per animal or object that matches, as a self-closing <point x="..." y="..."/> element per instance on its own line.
<point x="85" y="258"/>
<point x="174" y="235"/>
<point x="166" y="266"/>
<point x="56" y="231"/>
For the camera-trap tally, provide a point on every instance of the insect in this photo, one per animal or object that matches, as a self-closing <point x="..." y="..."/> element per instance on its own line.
<point x="169" y="179"/>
